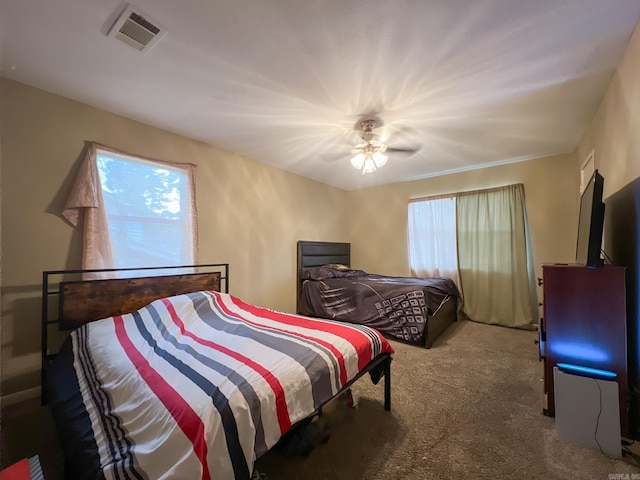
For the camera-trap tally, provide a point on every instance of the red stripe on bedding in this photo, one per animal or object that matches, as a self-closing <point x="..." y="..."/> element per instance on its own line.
<point x="281" y="405"/>
<point x="336" y="353"/>
<point x="352" y="335"/>
<point x="188" y="420"/>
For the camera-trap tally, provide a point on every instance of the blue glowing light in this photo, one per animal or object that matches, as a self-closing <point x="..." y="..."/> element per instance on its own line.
<point x="589" y="372"/>
<point x="579" y="352"/>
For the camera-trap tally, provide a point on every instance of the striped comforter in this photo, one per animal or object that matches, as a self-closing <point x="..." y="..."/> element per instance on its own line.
<point x="200" y="385"/>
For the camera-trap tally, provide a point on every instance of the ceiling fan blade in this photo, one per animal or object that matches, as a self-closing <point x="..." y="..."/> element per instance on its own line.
<point x="407" y="152"/>
<point x="395" y="130"/>
<point x="412" y="150"/>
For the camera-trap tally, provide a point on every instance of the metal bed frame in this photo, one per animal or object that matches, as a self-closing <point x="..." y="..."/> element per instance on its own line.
<point x="63" y="287"/>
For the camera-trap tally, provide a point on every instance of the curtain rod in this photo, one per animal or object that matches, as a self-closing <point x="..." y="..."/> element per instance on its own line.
<point x="469" y="192"/>
<point x="141" y="157"/>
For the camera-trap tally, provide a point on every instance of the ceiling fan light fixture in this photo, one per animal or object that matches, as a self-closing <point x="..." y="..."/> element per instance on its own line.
<point x="369" y="165"/>
<point x="369" y="155"/>
<point x="369" y="160"/>
<point x="380" y="159"/>
<point x="358" y="161"/>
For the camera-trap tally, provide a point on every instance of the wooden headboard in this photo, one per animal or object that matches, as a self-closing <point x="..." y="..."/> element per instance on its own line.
<point x="76" y="302"/>
<point x="316" y="254"/>
<point x="85" y="301"/>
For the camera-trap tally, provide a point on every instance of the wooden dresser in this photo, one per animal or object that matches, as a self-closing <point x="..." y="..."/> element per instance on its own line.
<point x="584" y="324"/>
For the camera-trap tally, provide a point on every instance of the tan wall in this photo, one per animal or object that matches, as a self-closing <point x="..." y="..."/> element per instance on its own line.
<point x="614" y="132"/>
<point x="250" y="214"/>
<point x="378" y="216"/>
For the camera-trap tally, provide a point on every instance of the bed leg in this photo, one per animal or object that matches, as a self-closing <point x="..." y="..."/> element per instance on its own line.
<point x="387" y="385"/>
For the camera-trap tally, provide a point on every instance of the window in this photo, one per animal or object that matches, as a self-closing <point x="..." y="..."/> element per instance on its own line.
<point x="480" y="240"/>
<point x="432" y="238"/>
<point x="149" y="213"/>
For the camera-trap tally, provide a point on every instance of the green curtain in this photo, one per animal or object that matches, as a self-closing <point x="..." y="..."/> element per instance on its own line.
<point x="494" y="257"/>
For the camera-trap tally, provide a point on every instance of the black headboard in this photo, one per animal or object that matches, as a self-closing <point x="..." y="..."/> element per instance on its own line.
<point x="316" y="254"/>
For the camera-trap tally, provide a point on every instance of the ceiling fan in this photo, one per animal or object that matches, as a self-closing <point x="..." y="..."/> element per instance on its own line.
<point x="370" y="154"/>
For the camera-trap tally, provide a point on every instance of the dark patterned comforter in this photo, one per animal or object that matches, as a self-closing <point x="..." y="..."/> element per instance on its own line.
<point x="397" y="306"/>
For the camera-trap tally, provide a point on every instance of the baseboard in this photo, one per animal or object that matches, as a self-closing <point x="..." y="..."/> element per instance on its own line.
<point x="21" y="396"/>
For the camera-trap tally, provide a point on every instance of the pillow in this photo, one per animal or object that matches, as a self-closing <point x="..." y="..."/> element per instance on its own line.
<point x="336" y="266"/>
<point x="332" y="270"/>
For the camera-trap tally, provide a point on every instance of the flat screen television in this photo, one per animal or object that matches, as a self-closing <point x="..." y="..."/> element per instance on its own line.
<point x="591" y="223"/>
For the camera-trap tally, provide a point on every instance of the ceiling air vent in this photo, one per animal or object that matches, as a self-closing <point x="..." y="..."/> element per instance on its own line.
<point x="137" y="30"/>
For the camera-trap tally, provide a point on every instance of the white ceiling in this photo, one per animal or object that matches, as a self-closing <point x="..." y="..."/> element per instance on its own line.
<point x="474" y="82"/>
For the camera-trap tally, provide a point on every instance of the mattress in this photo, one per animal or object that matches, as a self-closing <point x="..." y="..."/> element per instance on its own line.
<point x="195" y="386"/>
<point x="397" y="306"/>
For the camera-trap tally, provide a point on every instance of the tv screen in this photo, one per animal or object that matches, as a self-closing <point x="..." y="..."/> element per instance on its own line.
<point x="591" y="223"/>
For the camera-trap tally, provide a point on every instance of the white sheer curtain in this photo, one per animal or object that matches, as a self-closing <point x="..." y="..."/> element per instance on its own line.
<point x="494" y="257"/>
<point x="432" y="238"/>
<point x="85" y="209"/>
